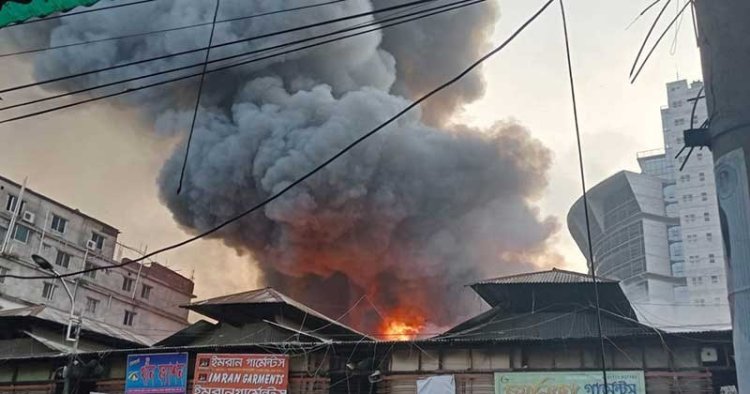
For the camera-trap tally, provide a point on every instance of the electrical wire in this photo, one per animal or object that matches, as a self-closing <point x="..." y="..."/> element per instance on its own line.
<point x="198" y="97"/>
<point x="224" y="44"/>
<point x="585" y="195"/>
<point x="661" y="37"/>
<point x="648" y="35"/>
<point x="320" y="166"/>
<point x="649" y="7"/>
<point x="178" y="28"/>
<point x="379" y="26"/>
<point x="446" y="7"/>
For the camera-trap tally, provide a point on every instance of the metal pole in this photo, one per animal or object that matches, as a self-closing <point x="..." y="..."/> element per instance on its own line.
<point x="71" y="359"/>
<point x="724" y="41"/>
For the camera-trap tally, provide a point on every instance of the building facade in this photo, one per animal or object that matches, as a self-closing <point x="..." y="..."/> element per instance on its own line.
<point x="659" y="231"/>
<point x="144" y="299"/>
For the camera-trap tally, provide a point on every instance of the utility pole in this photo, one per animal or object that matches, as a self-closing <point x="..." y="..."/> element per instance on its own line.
<point x="724" y="41"/>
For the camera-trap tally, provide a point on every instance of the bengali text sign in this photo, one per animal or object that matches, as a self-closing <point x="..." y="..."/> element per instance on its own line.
<point x="156" y="373"/>
<point x="241" y="374"/>
<point x="573" y="382"/>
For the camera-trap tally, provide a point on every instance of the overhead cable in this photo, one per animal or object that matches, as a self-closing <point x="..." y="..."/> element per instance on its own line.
<point x="171" y="29"/>
<point x="378" y="26"/>
<point x="590" y="249"/>
<point x="224" y="44"/>
<point x="314" y="170"/>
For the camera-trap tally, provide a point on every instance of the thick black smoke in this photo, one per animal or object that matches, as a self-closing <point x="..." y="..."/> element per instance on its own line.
<point x="408" y="217"/>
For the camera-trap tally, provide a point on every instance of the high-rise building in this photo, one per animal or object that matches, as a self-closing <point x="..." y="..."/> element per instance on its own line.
<point x="143" y="299"/>
<point x="658" y="232"/>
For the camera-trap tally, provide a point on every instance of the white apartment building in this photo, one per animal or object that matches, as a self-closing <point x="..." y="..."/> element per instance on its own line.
<point x="143" y="299"/>
<point x="675" y="278"/>
<point x="695" y="201"/>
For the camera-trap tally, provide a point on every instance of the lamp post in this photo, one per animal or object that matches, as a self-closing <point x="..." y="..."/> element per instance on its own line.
<point x="45" y="265"/>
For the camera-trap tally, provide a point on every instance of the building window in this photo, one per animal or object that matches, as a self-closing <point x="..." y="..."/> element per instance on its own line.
<point x="704" y="196"/>
<point x="145" y="291"/>
<point x="128" y="319"/>
<point x="21" y="234"/>
<point x="679" y="121"/>
<point x="48" y="291"/>
<point x="714" y="279"/>
<point x="711" y="258"/>
<point x="91" y="304"/>
<point x="62" y="259"/>
<point x="90" y="274"/>
<point x="10" y="204"/>
<point x="700" y="280"/>
<point x="98" y="240"/>
<point x="709" y="237"/>
<point x="3" y="271"/>
<point x="127" y="284"/>
<point x="700" y="156"/>
<point x="702" y="177"/>
<point x="706" y="216"/>
<point x="59" y="224"/>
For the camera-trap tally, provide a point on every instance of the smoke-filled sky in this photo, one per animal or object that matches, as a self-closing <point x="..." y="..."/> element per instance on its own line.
<point x="445" y="196"/>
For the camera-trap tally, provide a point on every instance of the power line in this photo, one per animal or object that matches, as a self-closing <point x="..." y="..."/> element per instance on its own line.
<point x="379" y="26"/>
<point x="198" y="96"/>
<point x="224" y="44"/>
<point x="171" y="29"/>
<point x="65" y="15"/>
<point x="658" y="40"/>
<point x="316" y="169"/>
<point x="585" y="195"/>
<point x="648" y="35"/>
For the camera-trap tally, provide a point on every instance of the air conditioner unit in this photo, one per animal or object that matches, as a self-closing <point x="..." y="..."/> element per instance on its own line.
<point x="709" y="355"/>
<point x="91" y="245"/>
<point x="28" y="217"/>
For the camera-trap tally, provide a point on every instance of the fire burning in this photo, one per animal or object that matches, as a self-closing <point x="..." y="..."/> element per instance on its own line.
<point x="402" y="324"/>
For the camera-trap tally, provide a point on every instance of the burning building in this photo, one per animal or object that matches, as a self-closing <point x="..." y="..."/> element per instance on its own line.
<point x="385" y="232"/>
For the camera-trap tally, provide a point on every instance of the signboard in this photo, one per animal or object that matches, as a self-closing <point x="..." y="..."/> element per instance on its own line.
<point x="241" y="374"/>
<point x="164" y="373"/>
<point x="14" y="11"/>
<point x="583" y="382"/>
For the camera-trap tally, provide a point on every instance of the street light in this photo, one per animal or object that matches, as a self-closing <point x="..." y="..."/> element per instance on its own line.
<point x="45" y="265"/>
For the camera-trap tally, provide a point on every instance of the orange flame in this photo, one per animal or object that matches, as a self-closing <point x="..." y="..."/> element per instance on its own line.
<point x="402" y="324"/>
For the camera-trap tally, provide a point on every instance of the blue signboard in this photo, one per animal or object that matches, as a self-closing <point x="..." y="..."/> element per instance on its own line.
<point x="156" y="373"/>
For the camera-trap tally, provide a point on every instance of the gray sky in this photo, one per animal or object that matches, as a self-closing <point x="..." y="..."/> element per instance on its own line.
<point x="62" y="156"/>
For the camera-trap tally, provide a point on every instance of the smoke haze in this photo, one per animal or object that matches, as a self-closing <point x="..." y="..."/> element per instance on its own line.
<point x="407" y="218"/>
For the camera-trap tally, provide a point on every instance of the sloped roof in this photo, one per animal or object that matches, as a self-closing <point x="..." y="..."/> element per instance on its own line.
<point x="50" y="314"/>
<point x="205" y="333"/>
<point x="231" y="308"/>
<point x="577" y="323"/>
<point x="555" y="275"/>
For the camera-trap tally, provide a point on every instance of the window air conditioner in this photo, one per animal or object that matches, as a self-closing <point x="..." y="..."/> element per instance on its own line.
<point x="91" y="245"/>
<point x="28" y="217"/>
<point x="709" y="355"/>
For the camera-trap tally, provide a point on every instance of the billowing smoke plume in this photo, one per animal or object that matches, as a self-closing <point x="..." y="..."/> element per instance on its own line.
<point x="407" y="218"/>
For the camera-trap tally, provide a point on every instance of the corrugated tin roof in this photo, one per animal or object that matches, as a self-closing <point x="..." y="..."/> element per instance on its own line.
<point x="51" y="314"/>
<point x="580" y="323"/>
<point x="266" y="296"/>
<point x="554" y="275"/>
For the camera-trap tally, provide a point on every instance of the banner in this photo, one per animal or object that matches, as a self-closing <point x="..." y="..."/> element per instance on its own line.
<point x="583" y="382"/>
<point x="14" y="11"/>
<point x="241" y="374"/>
<point x="164" y="373"/>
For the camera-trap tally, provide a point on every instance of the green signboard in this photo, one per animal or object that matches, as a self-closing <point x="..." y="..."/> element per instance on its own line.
<point x="583" y="382"/>
<point x="14" y="11"/>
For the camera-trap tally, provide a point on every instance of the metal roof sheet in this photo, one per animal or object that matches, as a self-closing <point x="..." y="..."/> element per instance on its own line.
<point x="267" y="296"/>
<point x="554" y="275"/>
<point x="45" y="312"/>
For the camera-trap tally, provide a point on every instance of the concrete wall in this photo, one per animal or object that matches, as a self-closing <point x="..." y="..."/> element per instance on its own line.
<point x="157" y="316"/>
